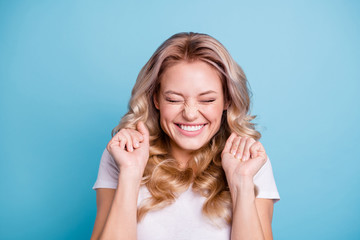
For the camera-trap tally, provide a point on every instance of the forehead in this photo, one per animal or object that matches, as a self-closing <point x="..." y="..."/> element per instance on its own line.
<point x="191" y="78"/>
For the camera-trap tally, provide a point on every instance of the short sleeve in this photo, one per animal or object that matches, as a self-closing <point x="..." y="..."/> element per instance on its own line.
<point x="108" y="172"/>
<point x="265" y="183"/>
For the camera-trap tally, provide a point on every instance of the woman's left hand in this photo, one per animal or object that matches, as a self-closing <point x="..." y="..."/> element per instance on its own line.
<point x="242" y="158"/>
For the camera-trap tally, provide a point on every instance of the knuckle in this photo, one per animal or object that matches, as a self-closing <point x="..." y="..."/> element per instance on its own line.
<point x="108" y="147"/>
<point x="254" y="145"/>
<point x="125" y="131"/>
<point x="116" y="135"/>
<point x="133" y="132"/>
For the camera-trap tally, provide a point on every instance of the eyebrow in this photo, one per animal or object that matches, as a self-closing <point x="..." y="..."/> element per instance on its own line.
<point x="176" y="93"/>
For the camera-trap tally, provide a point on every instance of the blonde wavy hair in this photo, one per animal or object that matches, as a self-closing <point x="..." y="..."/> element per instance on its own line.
<point x="163" y="176"/>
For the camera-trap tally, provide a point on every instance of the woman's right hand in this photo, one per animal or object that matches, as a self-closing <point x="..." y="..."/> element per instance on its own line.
<point x="130" y="149"/>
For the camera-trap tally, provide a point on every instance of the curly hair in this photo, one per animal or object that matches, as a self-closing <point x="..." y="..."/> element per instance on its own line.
<point x="163" y="176"/>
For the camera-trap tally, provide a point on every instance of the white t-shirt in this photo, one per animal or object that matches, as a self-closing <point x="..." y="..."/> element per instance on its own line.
<point x="183" y="219"/>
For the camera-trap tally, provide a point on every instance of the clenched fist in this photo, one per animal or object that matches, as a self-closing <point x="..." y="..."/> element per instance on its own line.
<point x="242" y="158"/>
<point x="130" y="149"/>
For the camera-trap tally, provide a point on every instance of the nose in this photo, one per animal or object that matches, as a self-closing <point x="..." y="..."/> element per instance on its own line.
<point x="191" y="111"/>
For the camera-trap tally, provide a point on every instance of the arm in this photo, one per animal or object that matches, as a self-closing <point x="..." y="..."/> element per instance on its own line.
<point x="265" y="208"/>
<point x="121" y="221"/>
<point x="117" y="212"/>
<point x="110" y="201"/>
<point x="251" y="217"/>
<point x="241" y="159"/>
<point x="104" y="199"/>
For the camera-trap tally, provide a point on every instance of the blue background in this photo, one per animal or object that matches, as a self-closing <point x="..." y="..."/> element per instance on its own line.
<point x="67" y="69"/>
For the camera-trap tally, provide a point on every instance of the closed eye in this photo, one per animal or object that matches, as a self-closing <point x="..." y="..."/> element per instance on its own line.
<point x="172" y="100"/>
<point x="208" y="101"/>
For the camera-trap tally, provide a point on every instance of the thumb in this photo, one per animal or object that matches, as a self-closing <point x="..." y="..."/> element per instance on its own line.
<point x="255" y="149"/>
<point x="143" y="130"/>
<point x="256" y="163"/>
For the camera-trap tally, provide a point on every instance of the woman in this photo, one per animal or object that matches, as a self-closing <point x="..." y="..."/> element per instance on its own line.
<point x="184" y="162"/>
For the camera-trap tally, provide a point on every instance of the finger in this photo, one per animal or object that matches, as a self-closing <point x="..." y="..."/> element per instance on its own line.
<point x="235" y="145"/>
<point x="256" y="149"/>
<point x="228" y="143"/>
<point x="240" y="150"/>
<point x="115" y="141"/>
<point x="246" y="154"/>
<point x="143" y="130"/>
<point x="257" y="162"/>
<point x="110" y="145"/>
<point x="136" y="138"/>
<point x="140" y="137"/>
<point x="137" y="135"/>
<point x="122" y="141"/>
<point x="127" y="137"/>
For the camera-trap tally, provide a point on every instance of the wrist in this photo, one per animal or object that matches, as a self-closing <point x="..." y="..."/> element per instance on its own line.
<point x="131" y="177"/>
<point x="243" y="189"/>
<point x="242" y="183"/>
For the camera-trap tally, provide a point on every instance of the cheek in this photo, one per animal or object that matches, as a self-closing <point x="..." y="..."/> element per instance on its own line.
<point x="168" y="113"/>
<point x="214" y="113"/>
<point x="167" y="117"/>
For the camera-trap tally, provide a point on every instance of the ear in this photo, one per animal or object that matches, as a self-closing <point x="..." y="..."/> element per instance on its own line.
<point x="155" y="100"/>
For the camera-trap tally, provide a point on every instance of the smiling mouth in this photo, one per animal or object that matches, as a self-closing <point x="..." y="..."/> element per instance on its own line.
<point x="190" y="128"/>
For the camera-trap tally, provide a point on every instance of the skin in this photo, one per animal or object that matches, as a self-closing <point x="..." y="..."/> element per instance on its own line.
<point x="200" y="104"/>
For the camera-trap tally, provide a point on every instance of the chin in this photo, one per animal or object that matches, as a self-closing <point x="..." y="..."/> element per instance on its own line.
<point x="191" y="146"/>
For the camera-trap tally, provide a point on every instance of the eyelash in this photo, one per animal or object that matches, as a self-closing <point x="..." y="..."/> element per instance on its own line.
<point x="172" y="101"/>
<point x="209" y="101"/>
<point x="177" y="101"/>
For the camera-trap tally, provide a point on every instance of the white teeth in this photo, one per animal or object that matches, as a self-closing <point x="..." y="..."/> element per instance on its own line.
<point x="191" y="128"/>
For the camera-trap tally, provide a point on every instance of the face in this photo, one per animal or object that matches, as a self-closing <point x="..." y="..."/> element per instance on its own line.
<point x="191" y="103"/>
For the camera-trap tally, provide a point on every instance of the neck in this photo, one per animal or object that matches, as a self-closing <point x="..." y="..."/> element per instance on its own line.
<point x="181" y="156"/>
